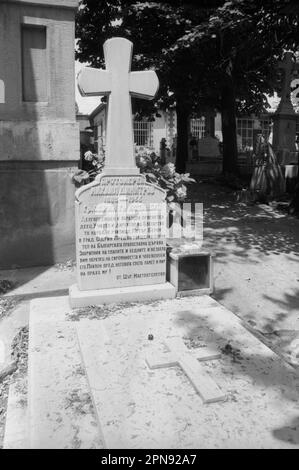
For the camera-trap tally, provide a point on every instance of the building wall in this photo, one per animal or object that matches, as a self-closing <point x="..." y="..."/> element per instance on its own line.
<point x="83" y="122"/>
<point x="159" y="130"/>
<point x="99" y="123"/>
<point x="39" y="136"/>
<point x="42" y="122"/>
<point x="37" y="215"/>
<point x="162" y="127"/>
<point x="165" y="127"/>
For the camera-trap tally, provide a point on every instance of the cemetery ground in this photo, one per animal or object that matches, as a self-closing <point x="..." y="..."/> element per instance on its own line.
<point x="256" y="277"/>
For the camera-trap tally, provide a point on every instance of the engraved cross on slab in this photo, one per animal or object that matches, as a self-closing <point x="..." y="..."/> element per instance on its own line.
<point x="179" y="355"/>
<point x="119" y="84"/>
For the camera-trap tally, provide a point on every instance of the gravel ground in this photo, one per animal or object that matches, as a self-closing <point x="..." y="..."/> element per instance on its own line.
<point x="256" y="263"/>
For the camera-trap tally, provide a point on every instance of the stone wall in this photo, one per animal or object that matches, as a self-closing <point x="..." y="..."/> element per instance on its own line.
<point x="37" y="213"/>
<point x="39" y="136"/>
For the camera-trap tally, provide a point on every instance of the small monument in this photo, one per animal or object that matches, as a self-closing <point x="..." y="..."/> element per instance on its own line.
<point x="120" y="218"/>
<point x="208" y="147"/>
<point x="284" y="129"/>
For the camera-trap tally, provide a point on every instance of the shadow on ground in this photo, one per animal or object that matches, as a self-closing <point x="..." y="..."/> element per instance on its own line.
<point x="257" y="369"/>
<point x="243" y="226"/>
<point x="21" y="276"/>
<point x="288" y="433"/>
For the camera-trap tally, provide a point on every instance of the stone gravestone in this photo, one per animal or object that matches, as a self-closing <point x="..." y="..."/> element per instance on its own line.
<point x="120" y="218"/>
<point x="284" y="129"/>
<point x="208" y="147"/>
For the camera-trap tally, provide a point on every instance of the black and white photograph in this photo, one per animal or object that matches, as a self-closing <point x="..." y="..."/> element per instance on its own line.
<point x="149" y="227"/>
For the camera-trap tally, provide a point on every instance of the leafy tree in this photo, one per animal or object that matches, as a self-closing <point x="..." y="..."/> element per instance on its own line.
<point x="207" y="54"/>
<point x="237" y="50"/>
<point x="153" y="27"/>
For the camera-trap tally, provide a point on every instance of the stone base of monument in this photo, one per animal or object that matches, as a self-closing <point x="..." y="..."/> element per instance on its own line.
<point x="150" y="292"/>
<point x="208" y="168"/>
<point x="291" y="177"/>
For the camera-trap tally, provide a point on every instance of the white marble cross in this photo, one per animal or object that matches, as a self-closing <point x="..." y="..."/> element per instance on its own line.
<point x="179" y="355"/>
<point x="119" y="83"/>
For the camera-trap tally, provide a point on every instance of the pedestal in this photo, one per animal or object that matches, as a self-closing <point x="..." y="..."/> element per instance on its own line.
<point x="284" y="131"/>
<point x="152" y="292"/>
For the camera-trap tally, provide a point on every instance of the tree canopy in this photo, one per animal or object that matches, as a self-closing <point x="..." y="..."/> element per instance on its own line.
<point x="219" y="54"/>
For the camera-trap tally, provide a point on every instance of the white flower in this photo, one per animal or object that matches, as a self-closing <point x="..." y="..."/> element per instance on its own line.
<point x="181" y="192"/>
<point x="89" y="156"/>
<point x="141" y="162"/>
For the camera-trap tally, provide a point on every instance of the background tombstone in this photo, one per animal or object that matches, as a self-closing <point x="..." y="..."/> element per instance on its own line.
<point x="208" y="147"/>
<point x="210" y="122"/>
<point x="120" y="218"/>
<point x="39" y="136"/>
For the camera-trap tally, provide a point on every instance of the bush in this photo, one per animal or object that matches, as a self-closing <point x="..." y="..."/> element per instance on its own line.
<point x="149" y="163"/>
<point x="164" y="176"/>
